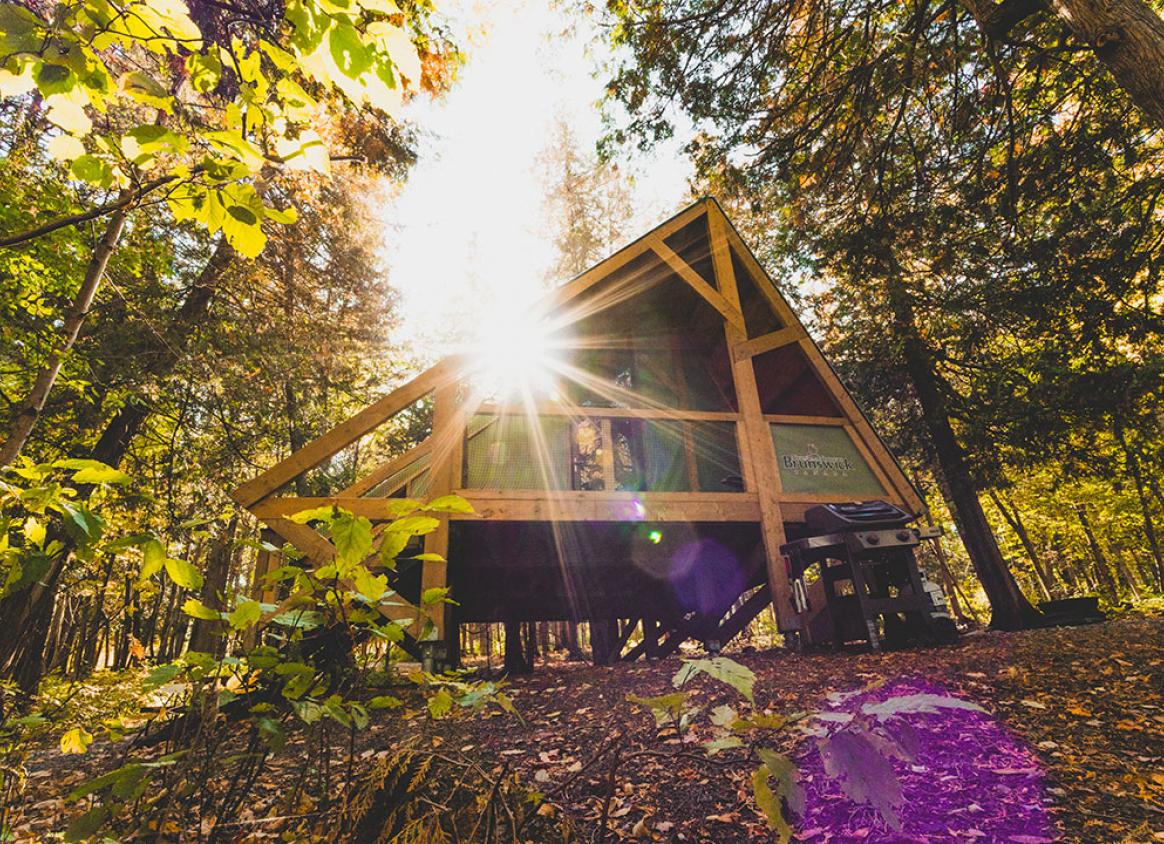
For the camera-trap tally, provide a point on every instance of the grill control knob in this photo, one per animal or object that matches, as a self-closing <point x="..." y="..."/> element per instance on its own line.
<point x="872" y="539"/>
<point x="903" y="535"/>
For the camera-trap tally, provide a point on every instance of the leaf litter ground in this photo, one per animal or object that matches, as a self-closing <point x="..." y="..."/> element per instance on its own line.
<point x="1070" y="746"/>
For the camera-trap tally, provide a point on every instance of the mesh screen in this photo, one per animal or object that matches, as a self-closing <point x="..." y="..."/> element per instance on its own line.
<point x="516" y="452"/>
<point x="665" y="468"/>
<point x="402" y="481"/>
<point x="717" y="456"/>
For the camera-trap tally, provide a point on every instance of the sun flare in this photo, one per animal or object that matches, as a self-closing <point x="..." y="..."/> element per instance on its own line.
<point x="515" y="352"/>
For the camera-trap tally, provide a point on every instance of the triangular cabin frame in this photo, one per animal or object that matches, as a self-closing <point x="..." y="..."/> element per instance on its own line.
<point x="762" y="506"/>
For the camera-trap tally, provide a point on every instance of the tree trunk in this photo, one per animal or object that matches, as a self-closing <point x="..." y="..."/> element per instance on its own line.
<point x="207" y="635"/>
<point x="162" y="356"/>
<point x="1014" y="519"/>
<point x="1128" y="37"/>
<point x="1010" y="609"/>
<point x="33" y="404"/>
<point x="24" y="610"/>
<point x="1133" y="463"/>
<point x="1102" y="569"/>
<point x="516" y="661"/>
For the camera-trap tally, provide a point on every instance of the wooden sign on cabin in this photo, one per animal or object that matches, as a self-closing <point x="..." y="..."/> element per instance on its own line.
<point x="666" y="423"/>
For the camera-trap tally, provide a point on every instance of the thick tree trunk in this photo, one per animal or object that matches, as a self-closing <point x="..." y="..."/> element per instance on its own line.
<point x="1010" y="610"/>
<point x="1128" y="37"/>
<point x="26" y="416"/>
<point x="516" y="661"/>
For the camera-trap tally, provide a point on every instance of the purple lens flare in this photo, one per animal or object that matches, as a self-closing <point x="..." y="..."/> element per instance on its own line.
<point x="969" y="779"/>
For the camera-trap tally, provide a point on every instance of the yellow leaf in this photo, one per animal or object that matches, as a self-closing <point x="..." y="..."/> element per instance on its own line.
<point x="76" y="740"/>
<point x="65" y="148"/>
<point x="69" y="115"/>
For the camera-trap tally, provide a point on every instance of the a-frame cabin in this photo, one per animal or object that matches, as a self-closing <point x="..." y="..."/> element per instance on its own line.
<point x="689" y="424"/>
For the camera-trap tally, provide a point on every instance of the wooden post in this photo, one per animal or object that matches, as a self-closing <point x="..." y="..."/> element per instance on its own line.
<point x="444" y="476"/>
<point x="760" y="471"/>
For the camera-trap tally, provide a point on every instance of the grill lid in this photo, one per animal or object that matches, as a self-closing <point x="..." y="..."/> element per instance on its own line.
<point x="864" y="515"/>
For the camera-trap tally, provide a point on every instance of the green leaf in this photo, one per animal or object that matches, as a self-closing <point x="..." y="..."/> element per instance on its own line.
<point x="665" y="708"/>
<point x="197" y="609"/>
<point x="84" y="827"/>
<point x="385" y="702"/>
<point x="397" y="507"/>
<point x="414" y="525"/>
<point x="161" y="675"/>
<point x="205" y="69"/>
<point x="153" y="558"/>
<point x="139" y="86"/>
<point x="723" y="742"/>
<point x="53" y="79"/>
<point x="91" y="169"/>
<point x="440" y="704"/>
<point x="351" y="55"/>
<point x="739" y="677"/>
<point x="183" y="574"/>
<point x="369" y="585"/>
<point x="93" y="472"/>
<point x="784" y="770"/>
<point x="352" y="536"/>
<point x="245" y="614"/>
<point x="450" y="504"/>
<point x="315" y="514"/>
<point x="76" y="740"/>
<point x="286" y="216"/>
<point x="436" y="595"/>
<point x="35" y="531"/>
<point x="391" y="546"/>
<point x="769" y="804"/>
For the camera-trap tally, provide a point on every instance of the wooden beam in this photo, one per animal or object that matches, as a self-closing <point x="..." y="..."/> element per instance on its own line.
<point x="619" y="259"/>
<point x="528" y="505"/>
<point x="387" y="469"/>
<point x="577" y="411"/>
<point x="791" y="419"/>
<point x="761" y="473"/>
<point x="346" y="433"/>
<point x="768" y="342"/>
<point x="712" y="296"/>
<point x="448" y="433"/>
<point x="743" y="615"/>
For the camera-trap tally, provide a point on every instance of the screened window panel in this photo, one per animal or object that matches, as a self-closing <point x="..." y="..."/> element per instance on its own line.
<point x="717" y="456"/>
<point x="665" y="464"/>
<point x="516" y="452"/>
<point x="400" y="483"/>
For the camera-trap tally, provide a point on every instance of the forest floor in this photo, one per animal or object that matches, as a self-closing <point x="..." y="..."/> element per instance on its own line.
<point x="1087" y="702"/>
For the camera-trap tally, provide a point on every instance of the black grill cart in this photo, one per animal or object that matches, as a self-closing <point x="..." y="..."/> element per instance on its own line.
<point x="856" y="578"/>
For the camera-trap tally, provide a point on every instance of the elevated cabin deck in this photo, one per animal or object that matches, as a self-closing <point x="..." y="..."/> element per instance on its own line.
<point x="685" y="423"/>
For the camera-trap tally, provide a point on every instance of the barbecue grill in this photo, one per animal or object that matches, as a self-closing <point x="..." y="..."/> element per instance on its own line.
<point x="856" y="577"/>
